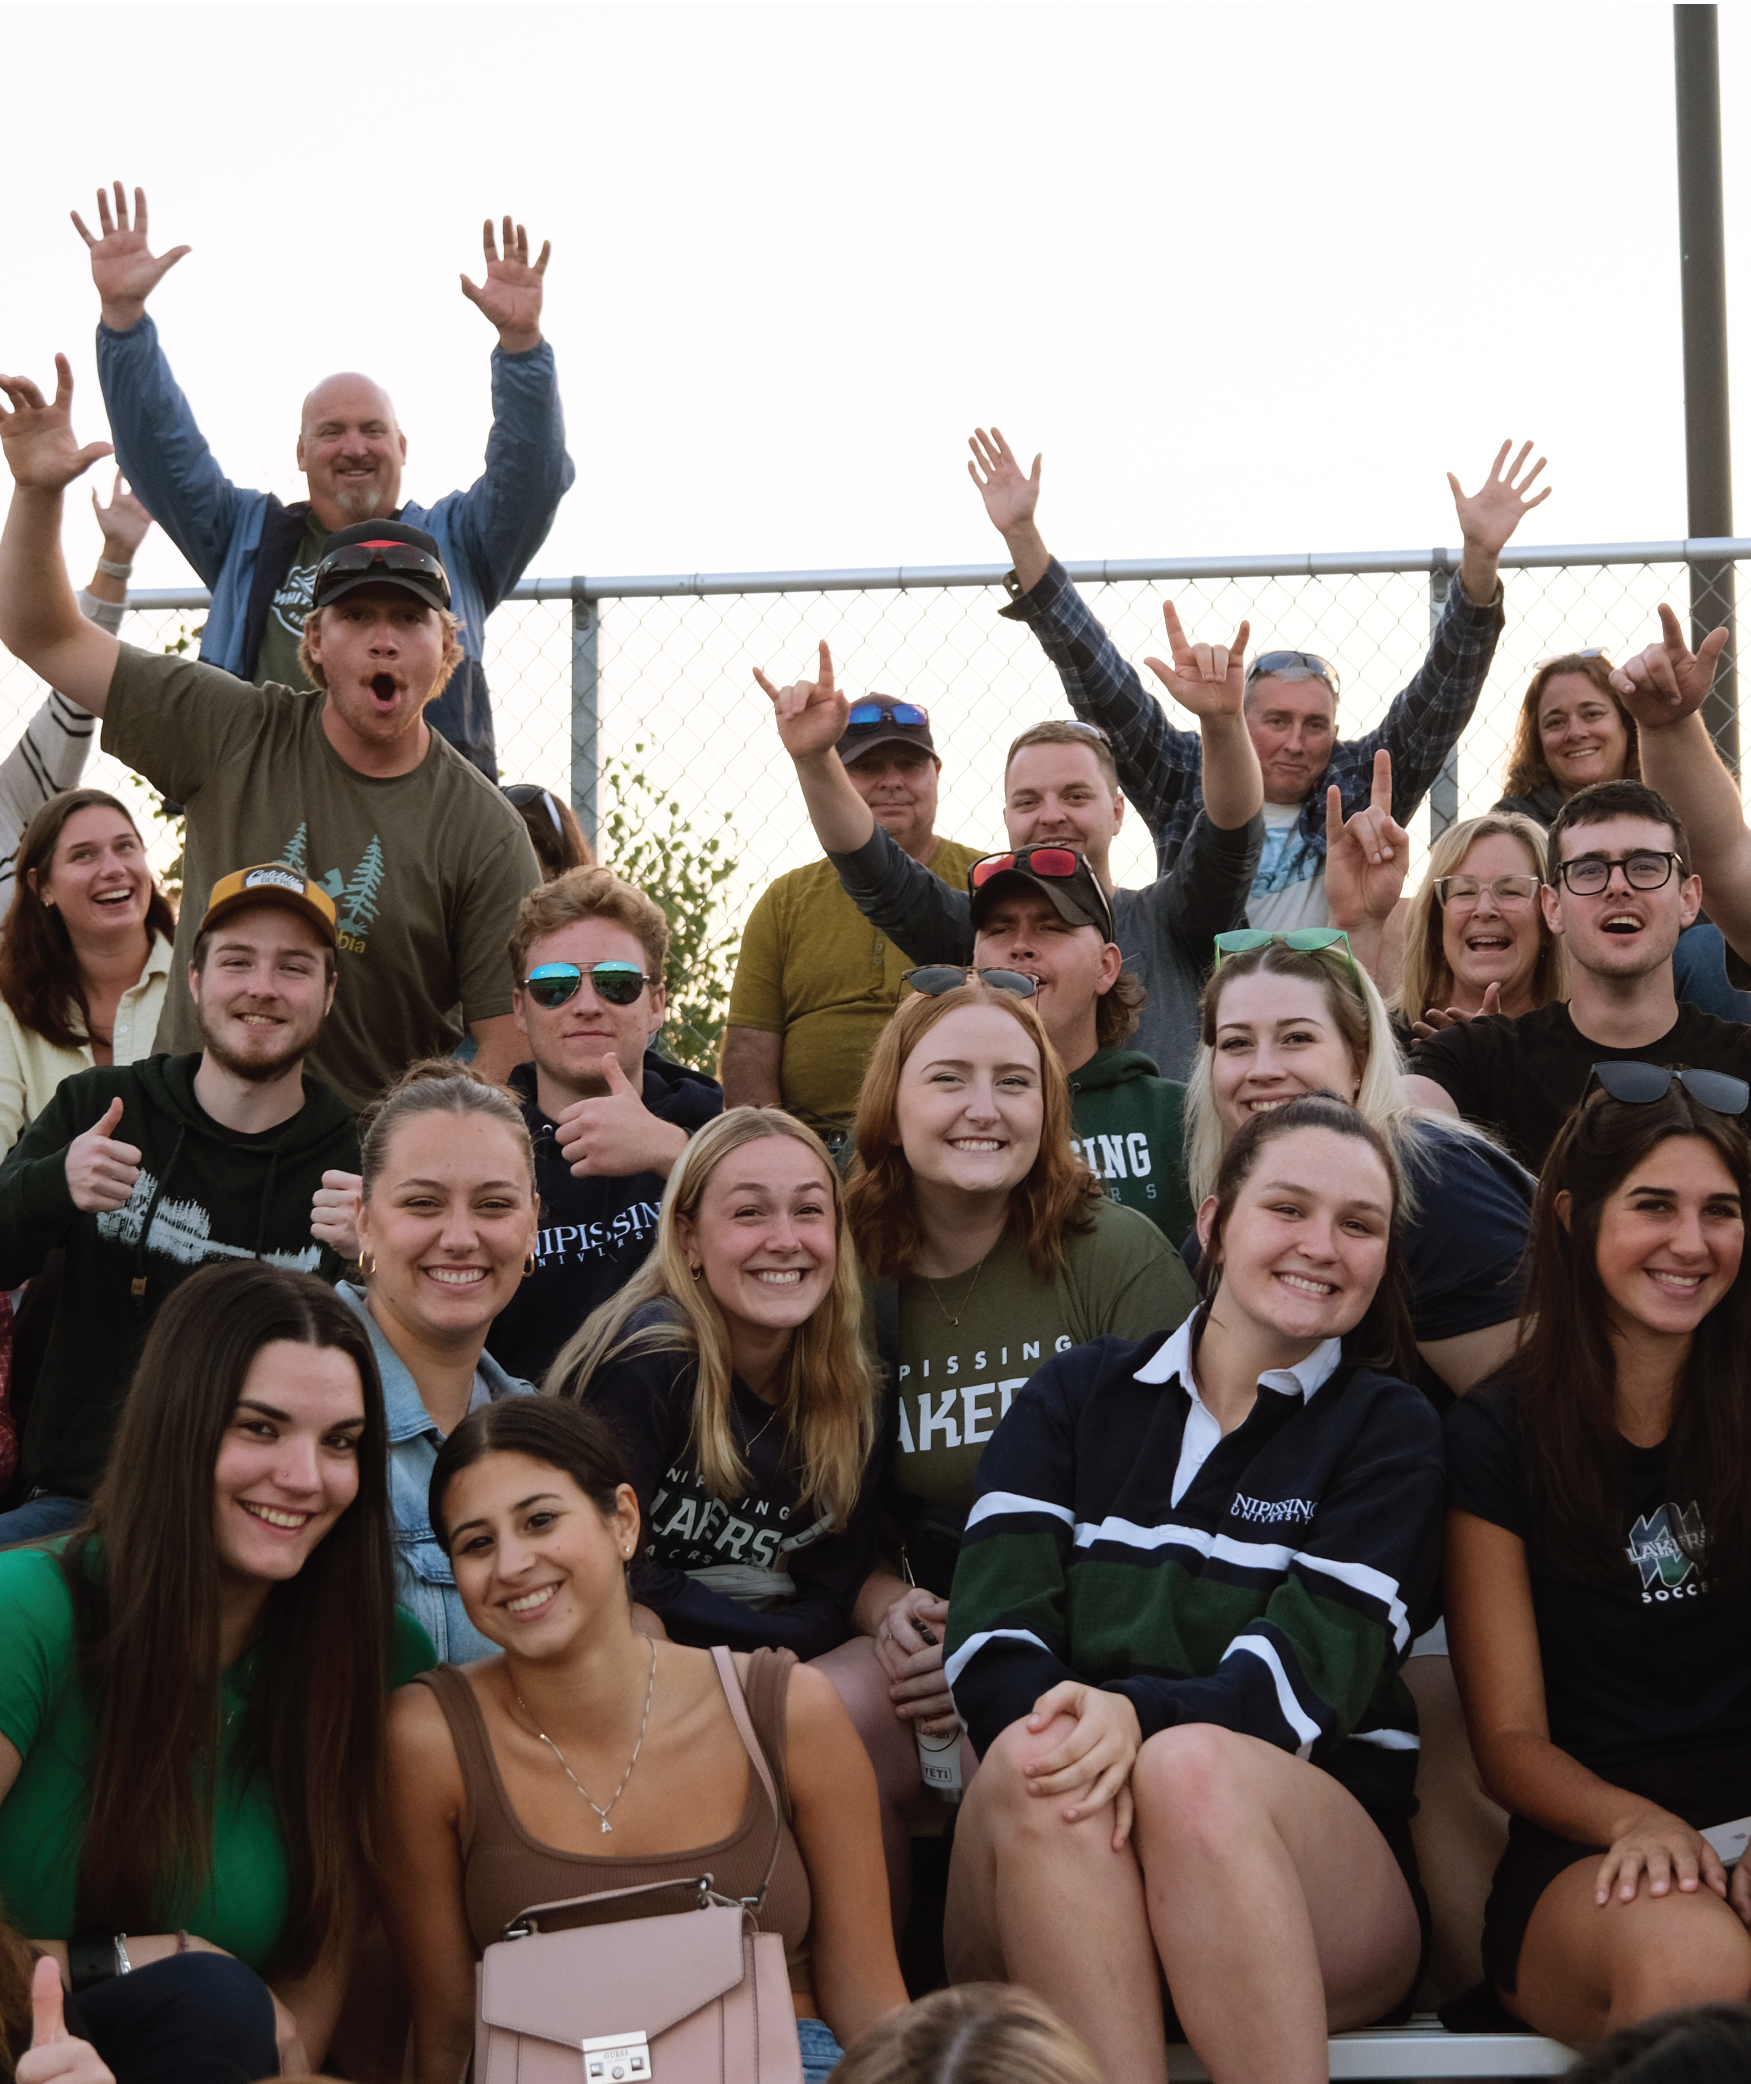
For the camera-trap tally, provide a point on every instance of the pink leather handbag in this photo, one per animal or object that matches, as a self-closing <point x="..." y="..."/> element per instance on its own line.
<point x="696" y="1996"/>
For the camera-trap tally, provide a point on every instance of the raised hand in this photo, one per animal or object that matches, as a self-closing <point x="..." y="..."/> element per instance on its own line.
<point x="616" y="1135"/>
<point x="123" y="266"/>
<point x="1009" y="496"/>
<point x="54" y="2056"/>
<point x="1365" y="856"/>
<point x="1490" y="515"/>
<point x="511" y="294"/>
<point x="334" y="1213"/>
<point x="41" y="451"/>
<point x="810" y="714"/>
<point x="1439" y="1017"/>
<point x="100" y="1171"/>
<point x="124" y="522"/>
<point x="1668" y="680"/>
<point x="1207" y="679"/>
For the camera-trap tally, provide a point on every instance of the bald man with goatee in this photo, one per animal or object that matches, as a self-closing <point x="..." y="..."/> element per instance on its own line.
<point x="259" y="556"/>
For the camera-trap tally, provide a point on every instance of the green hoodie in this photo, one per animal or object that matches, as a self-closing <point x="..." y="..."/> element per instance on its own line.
<point x="1130" y="1129"/>
<point x="204" y="1192"/>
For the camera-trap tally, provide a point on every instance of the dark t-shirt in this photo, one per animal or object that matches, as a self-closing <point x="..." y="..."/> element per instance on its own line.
<point x="1655" y="1662"/>
<point x="1520" y="1078"/>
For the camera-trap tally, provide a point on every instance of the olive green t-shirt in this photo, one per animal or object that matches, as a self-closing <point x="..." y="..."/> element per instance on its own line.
<point x="813" y="969"/>
<point x="277" y="661"/>
<point x="46" y="1719"/>
<point x="426" y="869"/>
<point x="955" y="1381"/>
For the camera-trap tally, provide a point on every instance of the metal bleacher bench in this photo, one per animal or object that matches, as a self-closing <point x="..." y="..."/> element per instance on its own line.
<point x="1424" y="2048"/>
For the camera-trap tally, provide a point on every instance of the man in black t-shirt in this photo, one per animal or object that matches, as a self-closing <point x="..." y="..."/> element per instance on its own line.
<point x="1621" y="894"/>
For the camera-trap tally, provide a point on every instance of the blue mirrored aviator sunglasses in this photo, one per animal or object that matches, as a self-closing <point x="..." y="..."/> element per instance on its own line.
<point x="1286" y="661"/>
<point x="864" y="715"/>
<point x="619" y="983"/>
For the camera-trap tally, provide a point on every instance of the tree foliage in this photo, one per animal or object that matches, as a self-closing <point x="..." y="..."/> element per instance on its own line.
<point x="650" y="840"/>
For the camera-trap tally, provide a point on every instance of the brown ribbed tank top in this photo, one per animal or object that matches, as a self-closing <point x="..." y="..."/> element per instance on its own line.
<point x="505" y="1870"/>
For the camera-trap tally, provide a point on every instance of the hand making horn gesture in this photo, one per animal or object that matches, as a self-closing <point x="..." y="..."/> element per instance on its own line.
<point x="811" y="714"/>
<point x="1207" y="679"/>
<point x="1668" y="680"/>
<point x="1366" y="856"/>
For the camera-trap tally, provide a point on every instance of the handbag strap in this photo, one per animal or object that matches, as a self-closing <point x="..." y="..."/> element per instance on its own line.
<point x="737" y="1703"/>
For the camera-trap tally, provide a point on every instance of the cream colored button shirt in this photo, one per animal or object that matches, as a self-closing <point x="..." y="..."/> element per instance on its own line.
<point x="31" y="1067"/>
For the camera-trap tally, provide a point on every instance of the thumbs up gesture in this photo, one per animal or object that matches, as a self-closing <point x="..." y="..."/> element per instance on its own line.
<point x="100" y="1171"/>
<point x="617" y="1134"/>
<point x="53" y="2057"/>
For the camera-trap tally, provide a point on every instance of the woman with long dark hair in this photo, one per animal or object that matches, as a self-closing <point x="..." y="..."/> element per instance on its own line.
<point x="733" y="1371"/>
<point x="84" y="952"/>
<point x="1599" y="1566"/>
<point x="192" y="1690"/>
<point x="589" y="1757"/>
<point x="1191" y="1576"/>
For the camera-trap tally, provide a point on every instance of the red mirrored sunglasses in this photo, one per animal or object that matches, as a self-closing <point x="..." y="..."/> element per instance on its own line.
<point x="1060" y="862"/>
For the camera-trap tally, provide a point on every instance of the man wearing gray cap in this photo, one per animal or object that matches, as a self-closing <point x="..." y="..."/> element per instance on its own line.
<point x="815" y="980"/>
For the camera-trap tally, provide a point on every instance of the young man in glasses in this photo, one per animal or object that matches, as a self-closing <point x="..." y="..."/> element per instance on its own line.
<point x="425" y="861"/>
<point x="1290" y="698"/>
<point x="258" y="556"/>
<point x="816" y="981"/>
<point x="1622" y="893"/>
<point x="1061" y="791"/>
<point x="607" y="1114"/>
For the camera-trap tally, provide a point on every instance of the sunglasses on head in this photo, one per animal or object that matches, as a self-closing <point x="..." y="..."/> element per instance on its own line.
<point x="1305" y="940"/>
<point x="524" y="794"/>
<point x="394" y="557"/>
<point x="865" y="715"/>
<point x="618" y="983"/>
<point x="1641" y="1085"/>
<point x="937" y="977"/>
<point x="1286" y="661"/>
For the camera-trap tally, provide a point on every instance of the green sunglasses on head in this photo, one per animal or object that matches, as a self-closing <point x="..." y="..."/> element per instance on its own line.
<point x="1305" y="940"/>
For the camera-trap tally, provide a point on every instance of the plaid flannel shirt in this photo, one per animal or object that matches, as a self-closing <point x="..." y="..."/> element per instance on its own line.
<point x="1160" y="768"/>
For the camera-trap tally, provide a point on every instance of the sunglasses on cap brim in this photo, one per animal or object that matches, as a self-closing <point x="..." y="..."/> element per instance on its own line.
<point x="1639" y="1084"/>
<point x="937" y="977"/>
<point x="393" y="557"/>
<point x="618" y="983"/>
<point x="865" y="716"/>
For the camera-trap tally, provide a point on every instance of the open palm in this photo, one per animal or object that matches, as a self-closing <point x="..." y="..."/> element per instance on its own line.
<point x="511" y="294"/>
<point x="123" y="265"/>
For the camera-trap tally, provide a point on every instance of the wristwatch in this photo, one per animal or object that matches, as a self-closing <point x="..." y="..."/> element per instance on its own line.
<point x="92" y="1961"/>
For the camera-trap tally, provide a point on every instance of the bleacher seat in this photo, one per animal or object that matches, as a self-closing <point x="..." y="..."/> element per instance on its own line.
<point x="1424" y="2048"/>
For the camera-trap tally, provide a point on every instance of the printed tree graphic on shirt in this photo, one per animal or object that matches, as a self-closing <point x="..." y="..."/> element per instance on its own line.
<point x="357" y="903"/>
<point x="293" y="853"/>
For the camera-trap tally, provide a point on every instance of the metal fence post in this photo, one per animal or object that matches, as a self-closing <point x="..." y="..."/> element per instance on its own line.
<point x="586" y="708"/>
<point x="1444" y="793"/>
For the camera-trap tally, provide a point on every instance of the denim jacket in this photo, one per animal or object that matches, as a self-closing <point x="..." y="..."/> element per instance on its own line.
<point x="423" y="1583"/>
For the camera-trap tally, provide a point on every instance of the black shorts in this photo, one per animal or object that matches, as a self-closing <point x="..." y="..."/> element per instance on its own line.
<point x="1396" y="1830"/>
<point x="1704" y="1787"/>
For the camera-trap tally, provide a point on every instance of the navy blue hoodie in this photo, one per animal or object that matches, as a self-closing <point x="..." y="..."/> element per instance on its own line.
<point x="595" y="1232"/>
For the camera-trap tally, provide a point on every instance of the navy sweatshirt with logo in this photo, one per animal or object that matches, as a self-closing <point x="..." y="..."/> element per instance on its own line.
<point x="595" y="1232"/>
<point x="1279" y="1597"/>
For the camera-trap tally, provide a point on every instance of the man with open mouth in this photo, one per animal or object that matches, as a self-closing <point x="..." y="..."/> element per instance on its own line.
<point x="1621" y="893"/>
<point x="423" y="859"/>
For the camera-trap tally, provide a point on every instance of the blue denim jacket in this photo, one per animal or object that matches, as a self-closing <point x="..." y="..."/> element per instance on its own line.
<point x="423" y="1583"/>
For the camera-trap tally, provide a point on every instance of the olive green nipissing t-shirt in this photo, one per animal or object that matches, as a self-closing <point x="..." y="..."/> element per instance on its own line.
<point x="426" y="869"/>
<point x="47" y="1721"/>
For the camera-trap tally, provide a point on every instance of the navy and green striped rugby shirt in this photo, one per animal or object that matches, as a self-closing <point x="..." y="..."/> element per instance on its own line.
<point x="1279" y="1596"/>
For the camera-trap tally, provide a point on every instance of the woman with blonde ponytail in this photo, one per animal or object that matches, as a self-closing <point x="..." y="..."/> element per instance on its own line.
<point x="733" y="1370"/>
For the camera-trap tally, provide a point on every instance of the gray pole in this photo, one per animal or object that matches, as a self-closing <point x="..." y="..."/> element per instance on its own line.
<point x="586" y="710"/>
<point x="1708" y="446"/>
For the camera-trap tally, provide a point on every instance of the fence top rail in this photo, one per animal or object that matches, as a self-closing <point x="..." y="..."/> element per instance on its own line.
<point x="1299" y="564"/>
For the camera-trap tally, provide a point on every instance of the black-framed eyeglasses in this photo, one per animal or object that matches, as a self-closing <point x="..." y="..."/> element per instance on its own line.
<point x="1644" y="869"/>
<point x="394" y="557"/>
<point x="1461" y="893"/>
<point x="1287" y="661"/>
<point x="864" y="716"/>
<point x="552" y="983"/>
<point x="934" y="978"/>
<point x="1640" y="1084"/>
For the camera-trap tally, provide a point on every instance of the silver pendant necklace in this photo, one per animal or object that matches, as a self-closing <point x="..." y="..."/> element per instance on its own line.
<point x="542" y="1735"/>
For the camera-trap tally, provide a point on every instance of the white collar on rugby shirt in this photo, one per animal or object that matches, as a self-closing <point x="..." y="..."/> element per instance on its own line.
<point x="1203" y="1435"/>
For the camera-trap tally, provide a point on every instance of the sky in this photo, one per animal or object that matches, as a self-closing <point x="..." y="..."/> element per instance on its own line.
<point x="1254" y="278"/>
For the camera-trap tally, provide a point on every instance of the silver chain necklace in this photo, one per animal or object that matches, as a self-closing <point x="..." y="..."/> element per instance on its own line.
<point x="649" y="1691"/>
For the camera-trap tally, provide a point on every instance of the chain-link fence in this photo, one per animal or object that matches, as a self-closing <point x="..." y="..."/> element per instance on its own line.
<point x="638" y="694"/>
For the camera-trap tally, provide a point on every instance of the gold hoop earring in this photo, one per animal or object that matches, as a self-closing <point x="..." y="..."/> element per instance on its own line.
<point x="528" y="1266"/>
<point x="367" y="1265"/>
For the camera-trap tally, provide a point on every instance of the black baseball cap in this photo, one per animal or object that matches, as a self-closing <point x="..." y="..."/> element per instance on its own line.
<point x="883" y="720"/>
<point x="1059" y="873"/>
<point x="381" y="553"/>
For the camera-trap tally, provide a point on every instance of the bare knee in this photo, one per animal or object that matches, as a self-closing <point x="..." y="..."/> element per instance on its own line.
<point x="1697" y="1960"/>
<point x="1190" y="1783"/>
